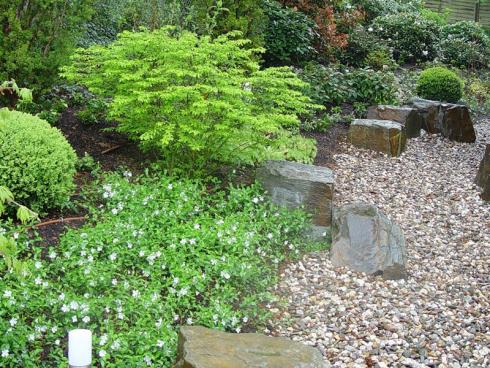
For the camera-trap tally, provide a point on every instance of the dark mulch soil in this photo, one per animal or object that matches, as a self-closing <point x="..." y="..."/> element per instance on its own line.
<point x="327" y="143"/>
<point x="110" y="149"/>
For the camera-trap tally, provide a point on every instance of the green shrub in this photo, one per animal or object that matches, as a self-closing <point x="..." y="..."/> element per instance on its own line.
<point x="440" y="84"/>
<point x="377" y="8"/>
<point x="197" y="100"/>
<point x="37" y="163"/>
<point x="289" y="36"/>
<point x="164" y="253"/>
<point x="440" y="19"/>
<point x="361" y="42"/>
<point x="380" y="59"/>
<point x="36" y="37"/>
<point x="465" y="44"/>
<point x="335" y="85"/>
<point x="411" y="37"/>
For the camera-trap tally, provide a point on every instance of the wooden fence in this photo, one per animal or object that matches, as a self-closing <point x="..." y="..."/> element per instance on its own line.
<point x="463" y="9"/>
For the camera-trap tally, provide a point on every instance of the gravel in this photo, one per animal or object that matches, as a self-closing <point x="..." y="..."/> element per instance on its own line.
<point x="440" y="315"/>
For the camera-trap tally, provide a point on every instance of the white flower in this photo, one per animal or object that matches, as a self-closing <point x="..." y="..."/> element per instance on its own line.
<point x="425" y="52"/>
<point x="237" y="330"/>
<point x="5" y="353"/>
<point x="74" y="319"/>
<point x="86" y="319"/>
<point x="255" y="200"/>
<point x="57" y="341"/>
<point x="170" y="186"/>
<point x="74" y="305"/>
<point x="37" y="265"/>
<point x="7" y="294"/>
<point x="114" y="211"/>
<point x="114" y="282"/>
<point x="183" y="291"/>
<point x="147" y="360"/>
<point x="197" y="226"/>
<point x="128" y="174"/>
<point x="158" y="323"/>
<point x="175" y="281"/>
<point x="52" y="255"/>
<point x="13" y="322"/>
<point x="54" y="329"/>
<point x="160" y="343"/>
<point x="135" y="293"/>
<point x="115" y="345"/>
<point x="31" y="337"/>
<point x="245" y="319"/>
<point x="38" y="281"/>
<point x="270" y="236"/>
<point x="113" y="256"/>
<point x="103" y="339"/>
<point x="15" y="235"/>
<point x="192" y="241"/>
<point x="102" y="353"/>
<point x="225" y="275"/>
<point x="370" y="29"/>
<point x="64" y="308"/>
<point x="189" y="321"/>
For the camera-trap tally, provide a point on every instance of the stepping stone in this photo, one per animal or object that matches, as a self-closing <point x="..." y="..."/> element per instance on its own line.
<point x="483" y="176"/>
<point x="364" y="240"/>
<point x="200" y="347"/>
<point x="294" y="185"/>
<point x="385" y="136"/>
<point x="405" y="115"/>
<point x="452" y="121"/>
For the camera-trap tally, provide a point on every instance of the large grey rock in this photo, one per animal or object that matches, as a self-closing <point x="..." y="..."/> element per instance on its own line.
<point x="294" y="185"/>
<point x="200" y="347"/>
<point x="452" y="121"/>
<point x="385" y="136"/>
<point x="364" y="240"/>
<point x="405" y="115"/>
<point x="483" y="176"/>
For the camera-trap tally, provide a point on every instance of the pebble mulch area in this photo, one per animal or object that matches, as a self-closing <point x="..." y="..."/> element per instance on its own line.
<point x="440" y="315"/>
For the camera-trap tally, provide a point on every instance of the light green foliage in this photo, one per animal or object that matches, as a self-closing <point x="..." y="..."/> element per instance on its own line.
<point x="289" y="36"/>
<point x="410" y="36"/>
<point x="163" y="253"/>
<point x="335" y="85"/>
<point x="440" y="84"/>
<point x="37" y="163"/>
<point x="380" y="59"/>
<point x="465" y="44"/>
<point x="197" y="100"/>
<point x="36" y="38"/>
<point x="8" y="246"/>
<point x="440" y="19"/>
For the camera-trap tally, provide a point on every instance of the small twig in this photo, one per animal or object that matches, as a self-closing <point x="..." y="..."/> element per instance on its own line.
<point x="112" y="149"/>
<point x="50" y="222"/>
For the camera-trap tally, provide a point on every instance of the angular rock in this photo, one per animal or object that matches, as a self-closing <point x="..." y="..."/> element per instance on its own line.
<point x="429" y="112"/>
<point x="293" y="185"/>
<point x="453" y="121"/>
<point x="405" y="115"/>
<point x="385" y="136"/>
<point x="483" y="176"/>
<point x="200" y="347"/>
<point x="364" y="240"/>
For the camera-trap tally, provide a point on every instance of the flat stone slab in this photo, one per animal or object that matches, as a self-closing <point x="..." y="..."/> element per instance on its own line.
<point x="365" y="240"/>
<point x="294" y="185"/>
<point x="452" y="121"/>
<point x="201" y="347"/>
<point x="385" y="136"/>
<point x="483" y="176"/>
<point x="405" y="115"/>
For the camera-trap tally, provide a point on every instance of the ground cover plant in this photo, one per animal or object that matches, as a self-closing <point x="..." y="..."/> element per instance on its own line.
<point x="161" y="252"/>
<point x="197" y="100"/>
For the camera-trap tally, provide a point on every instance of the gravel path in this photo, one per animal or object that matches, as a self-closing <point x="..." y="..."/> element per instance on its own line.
<point x="440" y="315"/>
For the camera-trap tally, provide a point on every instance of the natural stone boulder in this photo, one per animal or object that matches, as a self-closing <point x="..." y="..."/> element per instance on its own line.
<point x="364" y="240"/>
<point x="385" y="136"/>
<point x="483" y="176"/>
<point x="201" y="347"/>
<point x="293" y="185"/>
<point x="429" y="112"/>
<point x="453" y="121"/>
<point x="405" y="115"/>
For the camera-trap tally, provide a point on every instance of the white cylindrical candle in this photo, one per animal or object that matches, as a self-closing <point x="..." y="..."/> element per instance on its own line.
<point x="79" y="348"/>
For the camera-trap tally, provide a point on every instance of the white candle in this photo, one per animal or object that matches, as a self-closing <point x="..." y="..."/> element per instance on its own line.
<point x="79" y="348"/>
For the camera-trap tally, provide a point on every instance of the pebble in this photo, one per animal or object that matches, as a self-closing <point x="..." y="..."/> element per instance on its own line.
<point x="440" y="315"/>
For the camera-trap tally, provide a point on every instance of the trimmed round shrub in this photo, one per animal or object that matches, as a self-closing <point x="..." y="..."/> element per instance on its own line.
<point x="465" y="44"/>
<point x="37" y="162"/>
<point x="440" y="84"/>
<point x="410" y="36"/>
